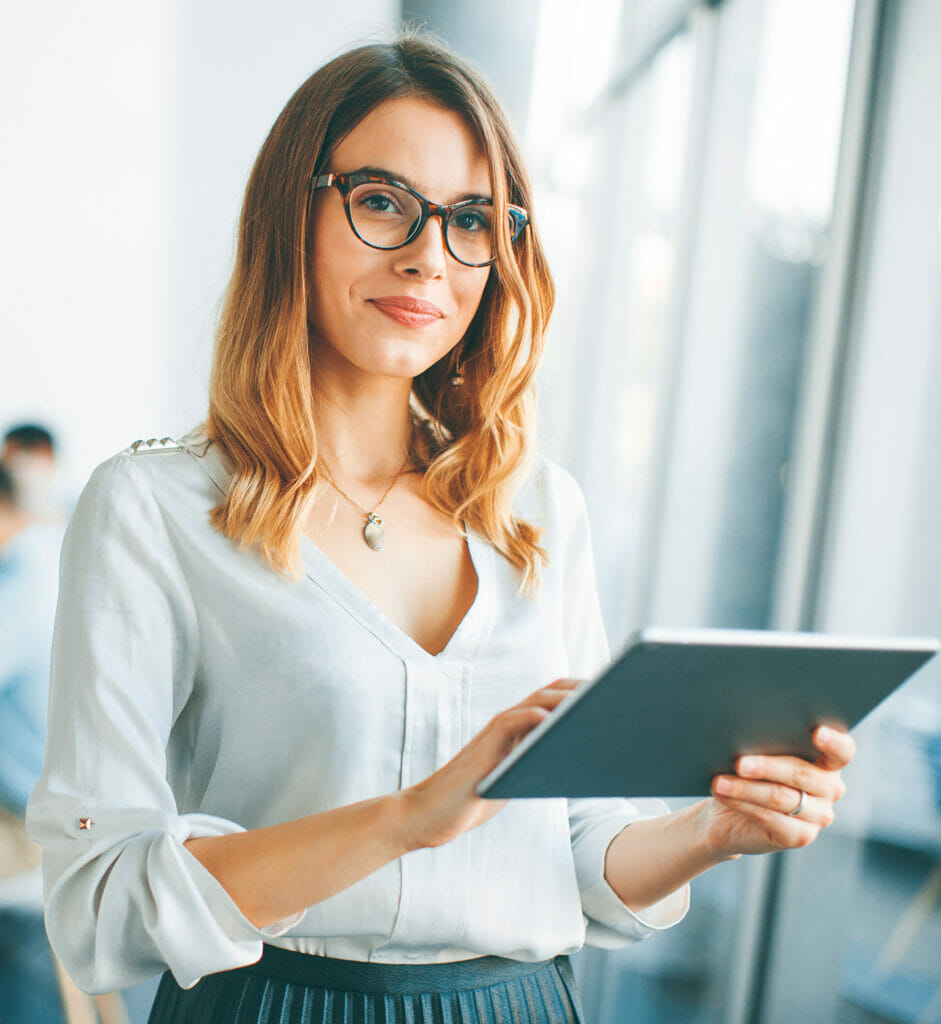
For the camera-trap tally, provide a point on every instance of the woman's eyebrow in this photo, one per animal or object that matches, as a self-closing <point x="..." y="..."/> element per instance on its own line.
<point x="405" y="180"/>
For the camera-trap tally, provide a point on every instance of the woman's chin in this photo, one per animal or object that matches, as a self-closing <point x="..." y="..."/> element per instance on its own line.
<point x="383" y="356"/>
<point x="401" y="365"/>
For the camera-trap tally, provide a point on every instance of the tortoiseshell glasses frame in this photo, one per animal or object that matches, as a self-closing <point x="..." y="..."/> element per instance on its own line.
<point x="474" y="238"/>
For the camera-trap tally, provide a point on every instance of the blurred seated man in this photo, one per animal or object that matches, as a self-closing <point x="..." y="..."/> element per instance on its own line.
<point x="29" y="572"/>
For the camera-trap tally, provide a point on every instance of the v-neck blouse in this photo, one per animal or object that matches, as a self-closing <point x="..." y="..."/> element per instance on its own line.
<point x="195" y="691"/>
<point x="470" y="634"/>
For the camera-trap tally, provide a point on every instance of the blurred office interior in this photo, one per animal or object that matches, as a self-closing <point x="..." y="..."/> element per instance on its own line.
<point x="741" y="201"/>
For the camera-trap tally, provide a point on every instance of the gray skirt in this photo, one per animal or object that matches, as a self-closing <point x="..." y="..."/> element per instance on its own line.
<point x="296" y="988"/>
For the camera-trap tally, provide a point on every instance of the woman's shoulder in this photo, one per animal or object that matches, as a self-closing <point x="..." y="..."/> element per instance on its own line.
<point x="549" y="495"/>
<point x="164" y="472"/>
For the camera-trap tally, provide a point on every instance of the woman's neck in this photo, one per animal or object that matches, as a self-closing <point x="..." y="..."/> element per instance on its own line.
<point x="365" y="434"/>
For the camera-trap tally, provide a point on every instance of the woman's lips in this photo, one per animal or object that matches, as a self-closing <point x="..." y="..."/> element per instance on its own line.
<point x="408" y="311"/>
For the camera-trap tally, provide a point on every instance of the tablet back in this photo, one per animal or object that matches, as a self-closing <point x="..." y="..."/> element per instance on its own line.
<point x="678" y="707"/>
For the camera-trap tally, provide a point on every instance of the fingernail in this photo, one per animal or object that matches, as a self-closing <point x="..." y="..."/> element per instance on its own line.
<point x="747" y="765"/>
<point x="723" y="785"/>
<point x="824" y="734"/>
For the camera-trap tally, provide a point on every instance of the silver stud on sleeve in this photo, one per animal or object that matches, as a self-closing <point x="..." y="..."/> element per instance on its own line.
<point x="153" y="444"/>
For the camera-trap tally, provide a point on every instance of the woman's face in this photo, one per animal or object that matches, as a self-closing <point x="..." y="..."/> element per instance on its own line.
<point x="356" y="293"/>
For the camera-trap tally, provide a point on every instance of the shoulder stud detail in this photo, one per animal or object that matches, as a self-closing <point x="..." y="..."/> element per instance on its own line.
<point x="164" y="444"/>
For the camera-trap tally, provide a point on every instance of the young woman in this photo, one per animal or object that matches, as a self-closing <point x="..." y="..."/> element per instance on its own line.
<point x="289" y="646"/>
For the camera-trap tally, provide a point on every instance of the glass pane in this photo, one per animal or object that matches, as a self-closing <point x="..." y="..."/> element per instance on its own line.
<point x="609" y="197"/>
<point x="763" y="218"/>
<point x="713" y="253"/>
<point x="881" y="928"/>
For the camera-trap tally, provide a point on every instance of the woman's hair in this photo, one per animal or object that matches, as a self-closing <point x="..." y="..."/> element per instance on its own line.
<point x="474" y="440"/>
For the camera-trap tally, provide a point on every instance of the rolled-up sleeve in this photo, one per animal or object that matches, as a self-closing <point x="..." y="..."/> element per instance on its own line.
<point x="124" y="898"/>
<point x="594" y="823"/>
<point x="610" y="923"/>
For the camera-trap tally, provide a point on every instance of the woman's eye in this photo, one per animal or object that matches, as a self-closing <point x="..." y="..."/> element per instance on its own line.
<point x="378" y="202"/>
<point x="472" y="220"/>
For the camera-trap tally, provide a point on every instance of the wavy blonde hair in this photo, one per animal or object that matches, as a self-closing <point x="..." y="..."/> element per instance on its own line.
<point x="477" y="438"/>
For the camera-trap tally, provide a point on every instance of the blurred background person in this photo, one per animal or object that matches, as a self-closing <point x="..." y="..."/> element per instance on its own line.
<point x="34" y="989"/>
<point x="29" y="456"/>
<point x="29" y="567"/>
<point x="28" y="438"/>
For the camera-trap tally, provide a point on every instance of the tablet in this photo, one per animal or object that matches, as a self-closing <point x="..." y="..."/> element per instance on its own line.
<point x="679" y="706"/>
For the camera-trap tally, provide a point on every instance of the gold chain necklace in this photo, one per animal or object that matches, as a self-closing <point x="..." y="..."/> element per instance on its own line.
<point x="373" y="533"/>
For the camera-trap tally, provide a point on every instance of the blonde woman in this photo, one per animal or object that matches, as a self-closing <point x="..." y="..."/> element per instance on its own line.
<point x="289" y="646"/>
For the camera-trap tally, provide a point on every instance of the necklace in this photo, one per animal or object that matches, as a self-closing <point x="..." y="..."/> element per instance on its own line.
<point x="373" y="533"/>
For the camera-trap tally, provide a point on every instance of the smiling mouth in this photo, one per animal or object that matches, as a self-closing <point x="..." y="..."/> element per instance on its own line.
<point x="408" y="311"/>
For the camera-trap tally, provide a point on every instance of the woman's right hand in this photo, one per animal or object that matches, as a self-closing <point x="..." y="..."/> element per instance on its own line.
<point x="444" y="805"/>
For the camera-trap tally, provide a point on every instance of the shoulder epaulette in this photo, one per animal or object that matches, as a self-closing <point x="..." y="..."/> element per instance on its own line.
<point x="164" y="444"/>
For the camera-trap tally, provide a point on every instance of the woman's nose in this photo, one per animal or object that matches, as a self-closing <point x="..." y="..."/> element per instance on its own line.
<point x="426" y="254"/>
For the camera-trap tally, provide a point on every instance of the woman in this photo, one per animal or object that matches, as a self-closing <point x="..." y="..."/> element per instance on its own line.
<point x="289" y="647"/>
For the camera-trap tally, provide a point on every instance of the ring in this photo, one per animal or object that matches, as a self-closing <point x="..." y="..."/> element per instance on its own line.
<point x="799" y="807"/>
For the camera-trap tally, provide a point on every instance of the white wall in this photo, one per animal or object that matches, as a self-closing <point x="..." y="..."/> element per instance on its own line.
<point x="85" y="129"/>
<point x="129" y="131"/>
<point x="238" y="61"/>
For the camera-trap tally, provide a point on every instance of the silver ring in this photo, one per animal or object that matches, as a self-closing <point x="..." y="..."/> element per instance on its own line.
<point x="799" y="807"/>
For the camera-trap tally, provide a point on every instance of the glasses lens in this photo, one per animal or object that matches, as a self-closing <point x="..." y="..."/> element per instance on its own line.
<point x="470" y="233"/>
<point x="383" y="215"/>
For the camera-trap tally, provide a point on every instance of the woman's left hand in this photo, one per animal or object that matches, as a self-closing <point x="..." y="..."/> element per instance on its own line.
<point x="752" y="811"/>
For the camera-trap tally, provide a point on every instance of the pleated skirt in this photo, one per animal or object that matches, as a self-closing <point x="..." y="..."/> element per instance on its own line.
<point x="285" y="987"/>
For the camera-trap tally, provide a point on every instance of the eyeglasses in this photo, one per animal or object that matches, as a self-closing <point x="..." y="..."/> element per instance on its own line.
<point x="387" y="214"/>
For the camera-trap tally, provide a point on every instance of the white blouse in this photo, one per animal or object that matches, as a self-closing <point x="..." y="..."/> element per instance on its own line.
<point x="197" y="692"/>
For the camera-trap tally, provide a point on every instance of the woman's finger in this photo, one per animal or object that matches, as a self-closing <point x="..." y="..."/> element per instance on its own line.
<point x="564" y="686"/>
<point x="502" y="733"/>
<point x="549" y="696"/>
<point x="794" y="772"/>
<point x="781" y="830"/>
<point x="511" y="726"/>
<point x="837" y="748"/>
<point x="775" y="796"/>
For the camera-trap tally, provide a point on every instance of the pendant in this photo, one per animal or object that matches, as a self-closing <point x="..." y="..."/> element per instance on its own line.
<point x="373" y="533"/>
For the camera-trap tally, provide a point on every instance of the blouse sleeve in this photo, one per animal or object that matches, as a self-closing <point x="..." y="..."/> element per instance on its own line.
<point x="124" y="898"/>
<point x="595" y="822"/>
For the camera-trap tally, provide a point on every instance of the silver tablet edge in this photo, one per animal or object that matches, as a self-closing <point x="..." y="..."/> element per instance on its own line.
<point x="780" y="638"/>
